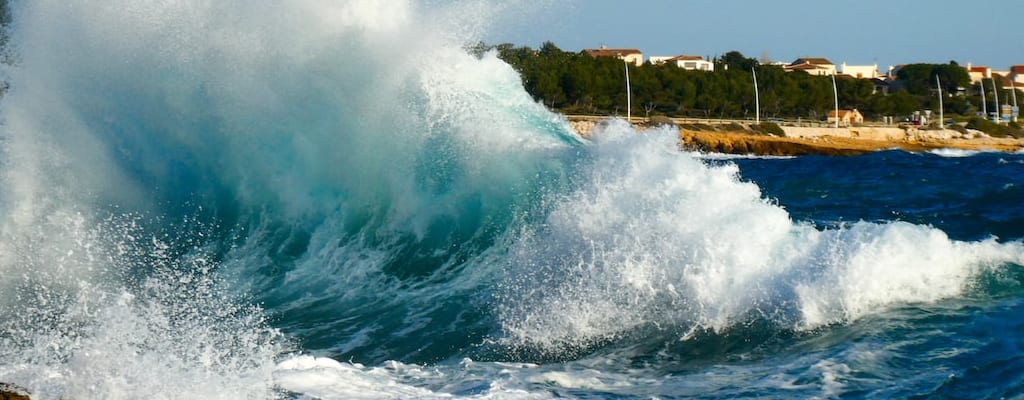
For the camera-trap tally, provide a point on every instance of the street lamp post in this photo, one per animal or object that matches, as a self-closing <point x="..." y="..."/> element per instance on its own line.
<point x="757" y="99"/>
<point x="629" y="100"/>
<point x="629" y="96"/>
<point x="984" y="103"/>
<point x="942" y="119"/>
<point x="1016" y="110"/>
<point x="835" y="92"/>
<point x="999" y="113"/>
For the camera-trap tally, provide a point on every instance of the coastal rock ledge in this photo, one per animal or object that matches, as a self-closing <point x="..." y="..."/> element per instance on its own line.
<point x="738" y="138"/>
<point x="13" y="392"/>
<point x="743" y="143"/>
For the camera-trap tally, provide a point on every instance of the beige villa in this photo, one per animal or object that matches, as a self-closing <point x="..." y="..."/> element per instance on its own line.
<point x="813" y="66"/>
<point x="632" y="56"/>
<point x="692" y="63"/>
<point x="846" y="117"/>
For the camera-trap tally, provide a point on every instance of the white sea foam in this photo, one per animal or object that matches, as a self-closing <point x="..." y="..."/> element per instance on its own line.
<point x="327" y="379"/>
<point x="659" y="239"/>
<point x="955" y="153"/>
<point x="98" y="308"/>
<point x="114" y="105"/>
<point x="723" y="156"/>
<point x="324" y="378"/>
<point x="98" y="333"/>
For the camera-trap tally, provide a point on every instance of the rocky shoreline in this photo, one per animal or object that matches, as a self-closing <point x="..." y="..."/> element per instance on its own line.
<point x="12" y="392"/>
<point x="745" y="143"/>
<point x="738" y="139"/>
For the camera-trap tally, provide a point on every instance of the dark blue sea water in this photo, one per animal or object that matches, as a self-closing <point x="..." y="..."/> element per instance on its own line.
<point x="968" y="195"/>
<point x="219" y="201"/>
<point x="974" y="340"/>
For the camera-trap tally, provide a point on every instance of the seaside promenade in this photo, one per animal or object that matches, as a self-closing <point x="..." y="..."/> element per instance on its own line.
<point x="739" y="137"/>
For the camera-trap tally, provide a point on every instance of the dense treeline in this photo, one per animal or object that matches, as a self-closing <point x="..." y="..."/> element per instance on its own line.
<point x="576" y="83"/>
<point x="5" y="23"/>
<point x="6" y="53"/>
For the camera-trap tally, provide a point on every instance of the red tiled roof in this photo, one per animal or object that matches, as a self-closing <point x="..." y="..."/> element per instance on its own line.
<point x="802" y="66"/>
<point x="686" y="58"/>
<point x="1017" y="69"/>
<point x="611" y="52"/>
<point x="812" y="60"/>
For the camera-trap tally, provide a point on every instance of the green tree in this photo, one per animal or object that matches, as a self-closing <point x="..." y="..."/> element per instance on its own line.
<point x="577" y="82"/>
<point x="736" y="61"/>
<point x="919" y="79"/>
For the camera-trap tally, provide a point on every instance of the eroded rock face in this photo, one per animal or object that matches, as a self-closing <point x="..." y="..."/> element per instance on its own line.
<point x="12" y="392"/>
<point x="765" y="145"/>
<point x="745" y="143"/>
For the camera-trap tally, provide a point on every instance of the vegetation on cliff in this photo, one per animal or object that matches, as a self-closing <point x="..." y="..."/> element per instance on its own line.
<point x="576" y="83"/>
<point x="6" y="53"/>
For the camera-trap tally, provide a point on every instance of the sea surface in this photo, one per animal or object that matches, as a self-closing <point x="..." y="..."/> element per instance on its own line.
<point x="334" y="200"/>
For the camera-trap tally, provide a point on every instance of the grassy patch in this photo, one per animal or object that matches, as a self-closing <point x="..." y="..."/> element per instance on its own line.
<point x="770" y="128"/>
<point x="996" y="130"/>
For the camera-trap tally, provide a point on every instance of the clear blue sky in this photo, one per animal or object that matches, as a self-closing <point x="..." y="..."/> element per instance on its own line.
<point x="886" y="32"/>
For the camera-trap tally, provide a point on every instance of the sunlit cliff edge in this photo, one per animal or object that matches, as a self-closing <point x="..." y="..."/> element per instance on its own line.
<point x="737" y="138"/>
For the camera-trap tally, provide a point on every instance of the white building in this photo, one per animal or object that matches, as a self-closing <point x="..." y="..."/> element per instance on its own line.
<point x="977" y="73"/>
<point x="860" y="71"/>
<point x="813" y="66"/>
<point x="632" y="56"/>
<point x="846" y="117"/>
<point x="1017" y="76"/>
<point x="693" y="63"/>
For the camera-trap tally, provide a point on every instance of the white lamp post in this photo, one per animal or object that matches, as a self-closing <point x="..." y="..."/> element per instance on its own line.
<point x="835" y="92"/>
<point x="999" y="113"/>
<point x="942" y="120"/>
<point x="1015" y="109"/>
<point x="629" y="100"/>
<point x="757" y="99"/>
<point x="984" y="103"/>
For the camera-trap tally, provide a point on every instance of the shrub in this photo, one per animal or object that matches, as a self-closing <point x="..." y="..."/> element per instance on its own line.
<point x="770" y="128"/>
<point x="697" y="127"/>
<point x="993" y="129"/>
<point x="733" y="127"/>
<point x="660" y="120"/>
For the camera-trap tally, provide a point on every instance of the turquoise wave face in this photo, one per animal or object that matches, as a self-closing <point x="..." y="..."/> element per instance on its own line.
<point x="139" y="138"/>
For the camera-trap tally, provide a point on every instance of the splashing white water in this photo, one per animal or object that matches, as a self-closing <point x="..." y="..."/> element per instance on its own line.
<point x="660" y="240"/>
<point x="85" y="324"/>
<point x="955" y="153"/>
<point x="124" y="107"/>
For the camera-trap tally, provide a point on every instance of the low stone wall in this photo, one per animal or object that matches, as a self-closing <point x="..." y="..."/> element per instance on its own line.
<point x="880" y="133"/>
<point x="585" y="125"/>
<point x="870" y="133"/>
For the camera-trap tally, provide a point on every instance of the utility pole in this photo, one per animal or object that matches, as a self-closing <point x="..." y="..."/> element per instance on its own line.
<point x="836" y="93"/>
<point x="942" y="119"/>
<point x="1016" y="110"/>
<point x="999" y="113"/>
<point x="984" y="103"/>
<point x="757" y="99"/>
<point x="629" y="100"/>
